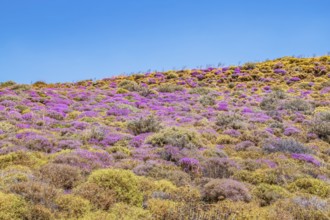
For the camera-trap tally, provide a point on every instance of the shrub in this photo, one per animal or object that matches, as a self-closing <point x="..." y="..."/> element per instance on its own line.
<point x="176" y="136"/>
<point x="221" y="189"/>
<point x="12" y="207"/>
<point x="311" y="186"/>
<point x="297" y="105"/>
<point x="61" y="175"/>
<point x="268" y="194"/>
<point x="123" y="182"/>
<point x="160" y="209"/>
<point x="36" y="192"/>
<point x="124" y="211"/>
<point x="207" y="100"/>
<point x="71" y="206"/>
<point x="233" y="121"/>
<point x="285" y="145"/>
<point x="39" y="212"/>
<point x="144" y="125"/>
<point x="169" y="88"/>
<point x="129" y="85"/>
<point x="304" y="208"/>
<point x="200" y="90"/>
<point x="218" y="168"/>
<point x="69" y="144"/>
<point x="321" y="125"/>
<point x="100" y="197"/>
<point x="269" y="103"/>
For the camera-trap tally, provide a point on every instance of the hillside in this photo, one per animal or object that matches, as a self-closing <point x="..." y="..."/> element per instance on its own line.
<point x="218" y="143"/>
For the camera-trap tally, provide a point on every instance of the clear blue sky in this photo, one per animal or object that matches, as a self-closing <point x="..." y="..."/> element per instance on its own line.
<point x="71" y="40"/>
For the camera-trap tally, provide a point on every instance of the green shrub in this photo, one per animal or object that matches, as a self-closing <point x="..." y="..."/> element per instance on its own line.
<point x="129" y="85"/>
<point x="268" y="194"/>
<point x="297" y="105"/>
<point x="321" y="125"/>
<point x="123" y="182"/>
<point x="169" y="88"/>
<point x="269" y="103"/>
<point x="227" y="121"/>
<point x="122" y="211"/>
<point x="302" y="208"/>
<point x="311" y="186"/>
<point x="144" y="125"/>
<point x="200" y="90"/>
<point x="176" y="136"/>
<point x="39" y="212"/>
<point x="207" y="100"/>
<point x="71" y="206"/>
<point x="12" y="207"/>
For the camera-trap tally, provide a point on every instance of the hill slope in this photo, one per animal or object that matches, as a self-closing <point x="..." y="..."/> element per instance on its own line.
<point x="246" y="141"/>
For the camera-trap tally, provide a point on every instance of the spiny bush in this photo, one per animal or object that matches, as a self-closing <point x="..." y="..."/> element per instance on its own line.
<point x="123" y="182"/>
<point x="221" y="189"/>
<point x="218" y="168"/>
<point x="284" y="145"/>
<point x="36" y="192"/>
<point x="321" y="125"/>
<point x="12" y="207"/>
<point x="100" y="197"/>
<point x="176" y="136"/>
<point x="144" y="125"/>
<point x="61" y="175"/>
<point x="310" y="185"/>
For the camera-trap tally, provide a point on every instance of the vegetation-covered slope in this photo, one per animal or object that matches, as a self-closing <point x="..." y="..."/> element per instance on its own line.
<point x="247" y="142"/>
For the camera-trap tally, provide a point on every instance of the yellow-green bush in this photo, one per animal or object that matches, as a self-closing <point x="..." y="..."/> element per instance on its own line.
<point x="123" y="211"/>
<point x="124" y="183"/>
<point x="12" y="207"/>
<point x="311" y="186"/>
<point x="159" y="208"/>
<point x="176" y="136"/>
<point x="302" y="208"/>
<point x="71" y="206"/>
<point x="267" y="194"/>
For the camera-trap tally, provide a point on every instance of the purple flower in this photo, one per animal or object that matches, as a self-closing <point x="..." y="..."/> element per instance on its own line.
<point x="190" y="165"/>
<point x="223" y="106"/>
<point x="307" y="158"/>
<point x="280" y="71"/>
<point x="290" y="131"/>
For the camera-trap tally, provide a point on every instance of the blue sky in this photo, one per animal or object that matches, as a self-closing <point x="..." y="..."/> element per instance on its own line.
<point x="72" y="40"/>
